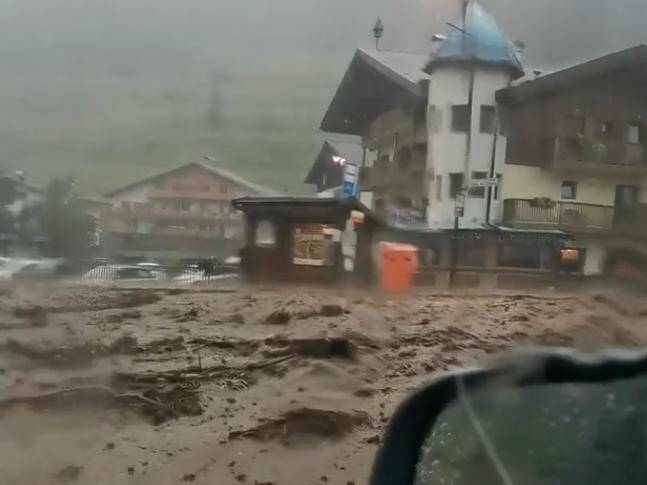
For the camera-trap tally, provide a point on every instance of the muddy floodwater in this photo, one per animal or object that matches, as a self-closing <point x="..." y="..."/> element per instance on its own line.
<point x="283" y="386"/>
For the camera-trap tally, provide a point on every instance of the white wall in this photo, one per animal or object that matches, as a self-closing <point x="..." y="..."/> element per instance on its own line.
<point x="523" y="182"/>
<point x="447" y="150"/>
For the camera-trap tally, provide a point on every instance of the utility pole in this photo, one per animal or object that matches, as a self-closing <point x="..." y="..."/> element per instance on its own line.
<point x="459" y="209"/>
<point x="492" y="175"/>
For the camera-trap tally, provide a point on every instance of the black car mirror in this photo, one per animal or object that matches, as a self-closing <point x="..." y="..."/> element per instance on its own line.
<point x="548" y="417"/>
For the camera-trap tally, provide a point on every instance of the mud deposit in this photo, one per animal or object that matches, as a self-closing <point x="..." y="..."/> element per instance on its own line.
<point x="284" y="386"/>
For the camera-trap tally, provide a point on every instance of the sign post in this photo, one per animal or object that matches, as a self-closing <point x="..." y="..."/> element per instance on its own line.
<point x="349" y="185"/>
<point x="490" y="182"/>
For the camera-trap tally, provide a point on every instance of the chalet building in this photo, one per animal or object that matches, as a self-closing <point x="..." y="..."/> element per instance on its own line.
<point x="576" y="157"/>
<point x="496" y="170"/>
<point x="182" y="213"/>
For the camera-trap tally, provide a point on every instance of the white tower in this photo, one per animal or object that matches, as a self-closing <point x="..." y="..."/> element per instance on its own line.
<point x="465" y="141"/>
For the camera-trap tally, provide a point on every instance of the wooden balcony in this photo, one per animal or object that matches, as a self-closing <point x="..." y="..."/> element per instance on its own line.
<point x="184" y="194"/>
<point x="577" y="154"/>
<point x="566" y="216"/>
<point x="146" y="212"/>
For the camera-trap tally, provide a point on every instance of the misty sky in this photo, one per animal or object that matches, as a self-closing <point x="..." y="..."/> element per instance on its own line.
<point x="52" y="49"/>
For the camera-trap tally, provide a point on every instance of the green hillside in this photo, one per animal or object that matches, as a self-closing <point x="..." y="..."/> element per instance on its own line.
<point x="262" y="123"/>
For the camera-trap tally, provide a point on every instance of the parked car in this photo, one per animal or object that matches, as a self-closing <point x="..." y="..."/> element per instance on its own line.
<point x="110" y="273"/>
<point x="13" y="266"/>
<point x="232" y="261"/>
<point x="156" y="268"/>
<point x="43" y="269"/>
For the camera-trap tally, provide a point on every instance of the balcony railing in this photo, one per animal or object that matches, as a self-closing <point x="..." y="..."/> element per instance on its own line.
<point x="542" y="214"/>
<point x="574" y="152"/>
<point x="148" y="212"/>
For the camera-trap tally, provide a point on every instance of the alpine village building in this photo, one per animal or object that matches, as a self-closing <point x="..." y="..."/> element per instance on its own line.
<point x="184" y="213"/>
<point x="499" y="177"/>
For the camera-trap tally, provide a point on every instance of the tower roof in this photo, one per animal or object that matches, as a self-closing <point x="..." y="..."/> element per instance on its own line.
<point x="479" y="40"/>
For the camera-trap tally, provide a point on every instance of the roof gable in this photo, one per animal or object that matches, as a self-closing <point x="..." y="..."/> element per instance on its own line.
<point x="374" y="82"/>
<point x="633" y="58"/>
<point x="207" y="166"/>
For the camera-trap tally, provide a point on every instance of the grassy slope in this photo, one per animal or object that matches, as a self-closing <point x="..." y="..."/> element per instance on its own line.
<point x="107" y="132"/>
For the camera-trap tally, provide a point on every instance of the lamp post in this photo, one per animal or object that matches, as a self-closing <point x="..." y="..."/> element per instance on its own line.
<point x="459" y="211"/>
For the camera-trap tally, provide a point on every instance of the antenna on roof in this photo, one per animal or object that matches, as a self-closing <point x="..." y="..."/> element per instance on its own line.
<point x="378" y="30"/>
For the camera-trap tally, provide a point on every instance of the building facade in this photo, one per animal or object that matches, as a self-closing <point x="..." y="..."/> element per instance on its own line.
<point x="463" y="140"/>
<point x="577" y="159"/>
<point x="182" y="213"/>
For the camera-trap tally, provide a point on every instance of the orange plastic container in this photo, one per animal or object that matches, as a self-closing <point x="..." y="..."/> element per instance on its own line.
<point x="397" y="265"/>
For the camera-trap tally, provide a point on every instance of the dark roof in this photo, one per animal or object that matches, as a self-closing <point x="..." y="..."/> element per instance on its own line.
<point x="374" y="82"/>
<point x="479" y="40"/>
<point x="207" y="165"/>
<point x="352" y="152"/>
<point x="634" y="58"/>
<point x="300" y="209"/>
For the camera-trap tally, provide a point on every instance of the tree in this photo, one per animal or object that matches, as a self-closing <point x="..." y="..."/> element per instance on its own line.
<point x="67" y="227"/>
<point x="7" y="197"/>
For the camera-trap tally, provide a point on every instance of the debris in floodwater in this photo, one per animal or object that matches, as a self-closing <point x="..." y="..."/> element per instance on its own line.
<point x="304" y="423"/>
<point x="69" y="474"/>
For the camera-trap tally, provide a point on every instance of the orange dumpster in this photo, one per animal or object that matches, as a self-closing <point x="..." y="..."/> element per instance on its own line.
<point x="397" y="265"/>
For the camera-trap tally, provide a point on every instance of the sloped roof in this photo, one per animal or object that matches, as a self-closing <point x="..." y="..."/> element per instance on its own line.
<point x="480" y="39"/>
<point x="238" y="180"/>
<point x="633" y="59"/>
<point x="352" y="152"/>
<point x="211" y="167"/>
<point x="404" y="67"/>
<point x="374" y="82"/>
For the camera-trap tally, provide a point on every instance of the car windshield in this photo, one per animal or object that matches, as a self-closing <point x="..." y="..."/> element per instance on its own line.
<point x="234" y="235"/>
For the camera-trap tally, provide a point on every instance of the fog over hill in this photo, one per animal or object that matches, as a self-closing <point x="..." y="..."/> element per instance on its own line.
<point x="112" y="90"/>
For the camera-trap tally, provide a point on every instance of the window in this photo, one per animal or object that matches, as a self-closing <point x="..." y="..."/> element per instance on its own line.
<point x="569" y="190"/>
<point x="461" y="118"/>
<point x="265" y="234"/>
<point x="455" y="184"/>
<point x="430" y="256"/>
<point x="523" y="256"/>
<point x="635" y="133"/>
<point x="434" y="120"/>
<point x="488" y="119"/>
<point x="626" y="196"/>
<point x="497" y="189"/>
<point x="575" y="125"/>
<point x="478" y="192"/>
<point x="607" y="129"/>
<point x="438" y="188"/>
<point x="471" y="253"/>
